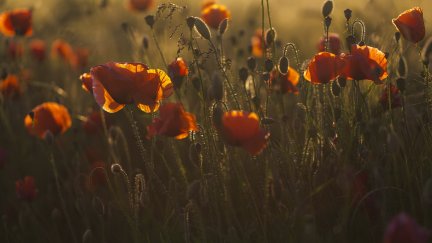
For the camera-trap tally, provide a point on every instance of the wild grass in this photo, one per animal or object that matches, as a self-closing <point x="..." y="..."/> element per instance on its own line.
<point x="338" y="167"/>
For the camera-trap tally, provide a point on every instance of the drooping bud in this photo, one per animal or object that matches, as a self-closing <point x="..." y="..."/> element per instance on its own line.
<point x="270" y="36"/>
<point x="116" y="168"/>
<point x="335" y="89"/>
<point x="283" y="65"/>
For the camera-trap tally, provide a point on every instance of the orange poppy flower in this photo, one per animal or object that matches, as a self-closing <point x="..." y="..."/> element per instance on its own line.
<point x="241" y="128"/>
<point x="37" y="50"/>
<point x="10" y="87"/>
<point x="365" y="62"/>
<point x="64" y="50"/>
<point x="140" y="5"/>
<point x="257" y="44"/>
<point x="14" y="49"/>
<point x="48" y="116"/>
<point x="334" y="44"/>
<point x="395" y="97"/>
<point x="323" y="68"/>
<point x="177" y="70"/>
<point x="173" y="121"/>
<point x="214" y="14"/>
<point x="207" y="3"/>
<point x="116" y="84"/>
<point x="16" y="22"/>
<point x="411" y="24"/>
<point x="26" y="189"/>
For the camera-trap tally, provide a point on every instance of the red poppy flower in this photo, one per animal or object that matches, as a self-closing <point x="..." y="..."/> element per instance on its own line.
<point x="241" y="128"/>
<point x="395" y="97"/>
<point x="365" y="62"/>
<point x="334" y="44"/>
<point x="177" y="70"/>
<point x="64" y="50"/>
<point x="173" y="121"/>
<point x="403" y="229"/>
<point x="26" y="189"/>
<point x="214" y="14"/>
<point x="116" y="84"/>
<point x="323" y="68"/>
<point x="38" y="50"/>
<point x="140" y="5"/>
<point x="411" y="24"/>
<point x="16" y="22"/>
<point x="257" y="42"/>
<point x="3" y="158"/>
<point x="10" y="87"/>
<point x="48" y="116"/>
<point x="14" y="49"/>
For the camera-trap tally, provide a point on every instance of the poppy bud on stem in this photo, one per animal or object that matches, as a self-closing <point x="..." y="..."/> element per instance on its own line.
<point x="202" y="28"/>
<point x="327" y="8"/>
<point x="348" y="14"/>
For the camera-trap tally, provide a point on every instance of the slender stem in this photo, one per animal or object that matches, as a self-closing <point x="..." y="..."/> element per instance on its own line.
<point x="159" y="48"/>
<point x="231" y="88"/>
<point x="62" y="201"/>
<point x="148" y="164"/>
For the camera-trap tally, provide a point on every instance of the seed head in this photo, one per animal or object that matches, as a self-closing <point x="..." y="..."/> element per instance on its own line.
<point x="348" y="14"/>
<point x="150" y="20"/>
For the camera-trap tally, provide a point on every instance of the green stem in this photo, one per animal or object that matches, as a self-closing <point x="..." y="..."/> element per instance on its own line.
<point x="62" y="201"/>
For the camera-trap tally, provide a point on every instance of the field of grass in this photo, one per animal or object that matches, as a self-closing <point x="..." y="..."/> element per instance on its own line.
<point x="215" y="121"/>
